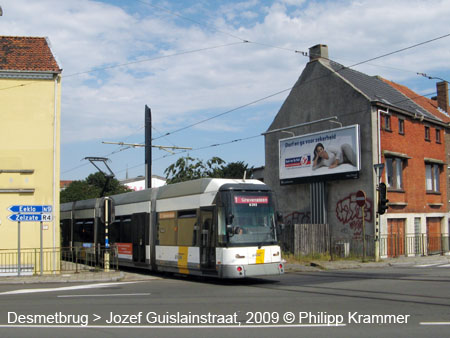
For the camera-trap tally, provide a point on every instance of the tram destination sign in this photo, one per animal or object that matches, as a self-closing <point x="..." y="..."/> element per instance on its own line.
<point x="30" y="208"/>
<point x="31" y="217"/>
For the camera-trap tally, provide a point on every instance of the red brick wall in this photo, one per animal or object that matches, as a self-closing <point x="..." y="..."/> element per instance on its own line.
<point x="413" y="144"/>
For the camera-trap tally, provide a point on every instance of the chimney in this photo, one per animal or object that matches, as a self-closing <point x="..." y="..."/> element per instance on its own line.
<point x="442" y="95"/>
<point x="317" y="52"/>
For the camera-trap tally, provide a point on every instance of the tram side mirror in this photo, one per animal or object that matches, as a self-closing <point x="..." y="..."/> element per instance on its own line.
<point x="229" y="219"/>
<point x="230" y="228"/>
<point x="279" y="217"/>
<point x="280" y="224"/>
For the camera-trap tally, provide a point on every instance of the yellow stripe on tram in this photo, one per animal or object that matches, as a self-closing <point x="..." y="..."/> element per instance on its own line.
<point x="183" y="259"/>
<point x="260" y="256"/>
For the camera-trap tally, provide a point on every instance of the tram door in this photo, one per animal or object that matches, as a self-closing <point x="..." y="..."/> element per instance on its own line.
<point x="207" y="236"/>
<point x="140" y="236"/>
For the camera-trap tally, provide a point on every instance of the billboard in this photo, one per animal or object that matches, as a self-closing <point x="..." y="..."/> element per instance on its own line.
<point x="327" y="155"/>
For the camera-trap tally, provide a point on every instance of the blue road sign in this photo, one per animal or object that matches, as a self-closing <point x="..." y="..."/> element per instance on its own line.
<point x="30" y="208"/>
<point x="30" y="217"/>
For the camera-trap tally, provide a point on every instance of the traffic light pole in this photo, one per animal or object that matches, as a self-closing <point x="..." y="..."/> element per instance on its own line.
<point x="378" y="172"/>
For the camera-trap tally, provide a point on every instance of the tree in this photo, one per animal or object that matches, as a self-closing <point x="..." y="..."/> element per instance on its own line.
<point x="188" y="168"/>
<point x="91" y="187"/>
<point x="236" y="170"/>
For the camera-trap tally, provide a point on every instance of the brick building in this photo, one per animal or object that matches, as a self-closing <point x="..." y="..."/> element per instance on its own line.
<point x="397" y="128"/>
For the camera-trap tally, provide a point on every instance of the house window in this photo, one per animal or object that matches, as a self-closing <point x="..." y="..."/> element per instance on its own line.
<point x="438" y="136"/>
<point x="427" y="133"/>
<point x="401" y="126"/>
<point x="432" y="176"/>
<point x="387" y="122"/>
<point x="394" y="173"/>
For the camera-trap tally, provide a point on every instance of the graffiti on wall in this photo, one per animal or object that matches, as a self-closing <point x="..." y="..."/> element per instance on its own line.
<point x="350" y="214"/>
<point x="297" y="217"/>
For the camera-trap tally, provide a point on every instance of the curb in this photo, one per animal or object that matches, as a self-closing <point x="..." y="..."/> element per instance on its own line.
<point x="112" y="277"/>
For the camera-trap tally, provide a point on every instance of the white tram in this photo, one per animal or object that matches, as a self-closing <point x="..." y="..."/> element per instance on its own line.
<point x="211" y="227"/>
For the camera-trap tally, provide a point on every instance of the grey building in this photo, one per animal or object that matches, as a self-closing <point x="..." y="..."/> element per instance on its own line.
<point x="325" y="90"/>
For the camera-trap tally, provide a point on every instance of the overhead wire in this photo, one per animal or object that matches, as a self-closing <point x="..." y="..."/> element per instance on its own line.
<point x="259" y="135"/>
<point x="301" y="84"/>
<point x="218" y="30"/>
<point x="296" y="85"/>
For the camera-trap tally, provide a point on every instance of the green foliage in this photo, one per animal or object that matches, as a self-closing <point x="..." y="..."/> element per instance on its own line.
<point x="236" y="170"/>
<point x="188" y="168"/>
<point x="91" y="187"/>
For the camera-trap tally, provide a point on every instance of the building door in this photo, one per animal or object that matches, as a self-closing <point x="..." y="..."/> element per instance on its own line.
<point x="207" y="239"/>
<point x="434" y="235"/>
<point x="396" y="237"/>
<point x="140" y="236"/>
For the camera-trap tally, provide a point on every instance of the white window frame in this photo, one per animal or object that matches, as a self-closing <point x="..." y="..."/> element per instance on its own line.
<point x="432" y="177"/>
<point x="394" y="173"/>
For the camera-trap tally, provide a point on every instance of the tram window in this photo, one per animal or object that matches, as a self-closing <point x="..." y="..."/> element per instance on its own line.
<point x="167" y="231"/>
<point x="88" y="232"/>
<point x="77" y="230"/>
<point x="101" y="233"/>
<point x="186" y="233"/>
<point x="84" y="231"/>
<point x="222" y="227"/>
<point x="187" y="213"/>
<point x="114" y="232"/>
<point x="65" y="232"/>
<point x="125" y="230"/>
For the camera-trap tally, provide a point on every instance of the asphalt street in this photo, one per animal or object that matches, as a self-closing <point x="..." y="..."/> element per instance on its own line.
<point x="400" y="301"/>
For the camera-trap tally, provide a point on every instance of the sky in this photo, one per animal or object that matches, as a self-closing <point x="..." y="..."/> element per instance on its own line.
<point x="212" y="72"/>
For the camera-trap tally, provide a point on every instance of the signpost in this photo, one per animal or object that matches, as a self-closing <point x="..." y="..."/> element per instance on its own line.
<point x="361" y="201"/>
<point x="30" y="213"/>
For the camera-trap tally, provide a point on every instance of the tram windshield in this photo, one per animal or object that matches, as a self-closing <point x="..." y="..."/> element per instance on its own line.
<point x="248" y="217"/>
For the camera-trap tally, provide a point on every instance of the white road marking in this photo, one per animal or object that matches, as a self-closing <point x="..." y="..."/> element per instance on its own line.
<point x="105" y="295"/>
<point x="435" y="323"/>
<point x="65" y="288"/>
<point x="437" y="265"/>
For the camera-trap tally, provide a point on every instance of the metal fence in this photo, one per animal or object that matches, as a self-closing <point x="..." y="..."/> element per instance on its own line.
<point x="311" y="239"/>
<point x="34" y="261"/>
<point x="396" y="245"/>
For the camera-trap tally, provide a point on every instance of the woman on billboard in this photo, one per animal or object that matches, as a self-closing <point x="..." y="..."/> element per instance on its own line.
<point x="333" y="156"/>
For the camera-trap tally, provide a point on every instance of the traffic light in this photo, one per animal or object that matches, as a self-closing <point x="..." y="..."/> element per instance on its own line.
<point x="382" y="200"/>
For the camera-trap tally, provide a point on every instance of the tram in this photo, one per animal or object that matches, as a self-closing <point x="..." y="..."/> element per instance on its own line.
<point x="222" y="228"/>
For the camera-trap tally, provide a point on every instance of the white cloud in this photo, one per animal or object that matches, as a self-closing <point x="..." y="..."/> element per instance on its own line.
<point x="183" y="89"/>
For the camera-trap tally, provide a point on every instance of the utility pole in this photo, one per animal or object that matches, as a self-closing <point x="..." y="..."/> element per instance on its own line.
<point x="148" y="147"/>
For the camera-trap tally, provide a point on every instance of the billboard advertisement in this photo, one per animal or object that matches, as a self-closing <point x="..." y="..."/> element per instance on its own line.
<point x="326" y="155"/>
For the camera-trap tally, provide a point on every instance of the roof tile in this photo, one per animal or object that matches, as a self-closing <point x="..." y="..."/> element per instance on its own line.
<point x="27" y="54"/>
<point x="426" y="103"/>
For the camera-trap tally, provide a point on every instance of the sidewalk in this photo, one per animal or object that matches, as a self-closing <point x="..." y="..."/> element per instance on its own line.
<point x="357" y="264"/>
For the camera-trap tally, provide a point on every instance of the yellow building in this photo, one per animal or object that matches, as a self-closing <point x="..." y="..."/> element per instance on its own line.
<point x="30" y="97"/>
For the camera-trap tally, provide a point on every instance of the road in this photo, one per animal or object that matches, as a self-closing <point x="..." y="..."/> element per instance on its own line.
<point x="388" y="302"/>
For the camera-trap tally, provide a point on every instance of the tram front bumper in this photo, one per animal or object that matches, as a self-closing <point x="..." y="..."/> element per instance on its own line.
<point x="251" y="270"/>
